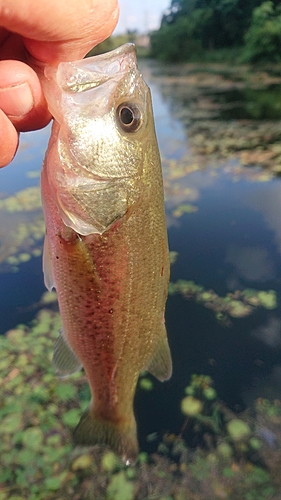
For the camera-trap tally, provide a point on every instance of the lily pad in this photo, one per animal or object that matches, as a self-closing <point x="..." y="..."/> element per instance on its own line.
<point x="238" y="309"/>
<point x="11" y="423"/>
<point x="120" y="488"/>
<point x="82" y="462"/>
<point x="110" y="461"/>
<point x="146" y="384"/>
<point x="268" y="299"/>
<point x="65" y="391"/>
<point x="71" y="417"/>
<point x="238" y="429"/>
<point x="191" y="406"/>
<point x="33" y="438"/>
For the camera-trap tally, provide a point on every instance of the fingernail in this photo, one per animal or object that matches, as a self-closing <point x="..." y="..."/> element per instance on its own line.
<point x="16" y="101"/>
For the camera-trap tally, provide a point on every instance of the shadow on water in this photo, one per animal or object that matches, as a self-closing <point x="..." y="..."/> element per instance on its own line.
<point x="249" y="103"/>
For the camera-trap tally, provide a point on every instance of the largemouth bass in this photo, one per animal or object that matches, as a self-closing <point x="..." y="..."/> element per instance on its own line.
<point x="106" y="249"/>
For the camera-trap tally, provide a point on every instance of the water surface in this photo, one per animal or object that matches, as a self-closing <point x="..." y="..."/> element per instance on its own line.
<point x="227" y="233"/>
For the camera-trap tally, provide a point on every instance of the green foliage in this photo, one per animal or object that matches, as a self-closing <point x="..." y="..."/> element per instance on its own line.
<point x="238" y="429"/>
<point x="146" y="384"/>
<point x="38" y="462"/>
<point x="71" y="418"/>
<point x="191" y="26"/>
<point x="110" y="461"/>
<point x="263" y="39"/>
<point x="191" y="406"/>
<point x="120" y="488"/>
<point x="174" y="42"/>
<point x="201" y="405"/>
<point x="238" y="304"/>
<point x="110" y="43"/>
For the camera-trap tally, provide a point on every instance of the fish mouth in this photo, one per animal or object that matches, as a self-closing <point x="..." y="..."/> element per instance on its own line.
<point x="80" y="76"/>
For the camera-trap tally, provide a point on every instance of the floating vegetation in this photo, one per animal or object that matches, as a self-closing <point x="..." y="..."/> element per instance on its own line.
<point x="173" y="256"/>
<point x="22" y="214"/>
<point x="183" y="209"/>
<point x="254" y="144"/>
<point x="38" y="412"/>
<point x="237" y="304"/>
<point x="26" y="200"/>
<point x="33" y="174"/>
<point x="146" y="384"/>
<point x="225" y="116"/>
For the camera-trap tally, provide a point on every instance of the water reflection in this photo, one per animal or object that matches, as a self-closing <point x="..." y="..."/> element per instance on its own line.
<point x="267" y="202"/>
<point x="270" y="332"/>
<point x="251" y="263"/>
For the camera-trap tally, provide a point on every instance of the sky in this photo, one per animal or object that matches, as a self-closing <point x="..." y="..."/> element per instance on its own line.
<point x="140" y="15"/>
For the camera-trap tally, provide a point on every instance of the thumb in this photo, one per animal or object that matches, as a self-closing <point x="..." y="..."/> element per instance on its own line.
<point x="21" y="96"/>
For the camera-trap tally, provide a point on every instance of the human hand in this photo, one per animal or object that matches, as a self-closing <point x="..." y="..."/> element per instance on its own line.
<point x="41" y="32"/>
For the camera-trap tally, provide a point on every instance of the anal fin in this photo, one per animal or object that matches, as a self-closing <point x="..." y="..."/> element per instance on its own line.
<point x="64" y="359"/>
<point x="160" y="364"/>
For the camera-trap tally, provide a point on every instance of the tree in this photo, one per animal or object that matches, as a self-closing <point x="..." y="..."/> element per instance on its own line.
<point x="263" y="39"/>
<point x="202" y="25"/>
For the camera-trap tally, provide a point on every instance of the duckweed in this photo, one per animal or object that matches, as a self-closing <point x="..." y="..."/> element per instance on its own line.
<point x="82" y="462"/>
<point x="238" y="429"/>
<point x="110" y="461"/>
<point x="236" y="304"/>
<point x="120" y="488"/>
<point x="146" y="384"/>
<point x="23" y="215"/>
<point x="173" y="256"/>
<point x="268" y="299"/>
<point x="38" y="460"/>
<point x="26" y="200"/>
<point x="191" y="406"/>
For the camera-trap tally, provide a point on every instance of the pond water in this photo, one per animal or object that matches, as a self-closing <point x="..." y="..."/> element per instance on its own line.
<point x="230" y="241"/>
<point x="224" y="223"/>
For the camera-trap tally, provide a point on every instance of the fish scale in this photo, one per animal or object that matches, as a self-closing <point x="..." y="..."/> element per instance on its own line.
<point x="109" y="264"/>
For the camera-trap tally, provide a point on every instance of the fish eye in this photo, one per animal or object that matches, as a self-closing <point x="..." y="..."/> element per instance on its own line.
<point x="129" y="117"/>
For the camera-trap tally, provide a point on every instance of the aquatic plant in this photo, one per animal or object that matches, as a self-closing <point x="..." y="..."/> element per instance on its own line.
<point x="22" y="213"/>
<point x="25" y="200"/>
<point x="173" y="256"/>
<point x="184" y="208"/>
<point x="232" y="119"/>
<point x="238" y="430"/>
<point x="235" y="304"/>
<point x="38" y="413"/>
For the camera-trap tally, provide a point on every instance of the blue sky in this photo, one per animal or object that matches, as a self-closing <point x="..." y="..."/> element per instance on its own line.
<point x="142" y="15"/>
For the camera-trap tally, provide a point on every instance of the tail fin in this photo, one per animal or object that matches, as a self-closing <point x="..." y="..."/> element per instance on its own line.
<point x="92" y="429"/>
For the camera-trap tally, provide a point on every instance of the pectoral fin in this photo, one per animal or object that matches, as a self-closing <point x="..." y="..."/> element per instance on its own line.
<point x="160" y="365"/>
<point x="64" y="359"/>
<point x="48" y="266"/>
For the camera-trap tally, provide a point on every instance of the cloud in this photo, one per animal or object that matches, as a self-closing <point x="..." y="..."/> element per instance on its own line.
<point x="270" y="333"/>
<point x="268" y="202"/>
<point x="251" y="262"/>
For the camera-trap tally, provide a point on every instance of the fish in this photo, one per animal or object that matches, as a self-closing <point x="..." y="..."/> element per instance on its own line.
<point x="106" y="247"/>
